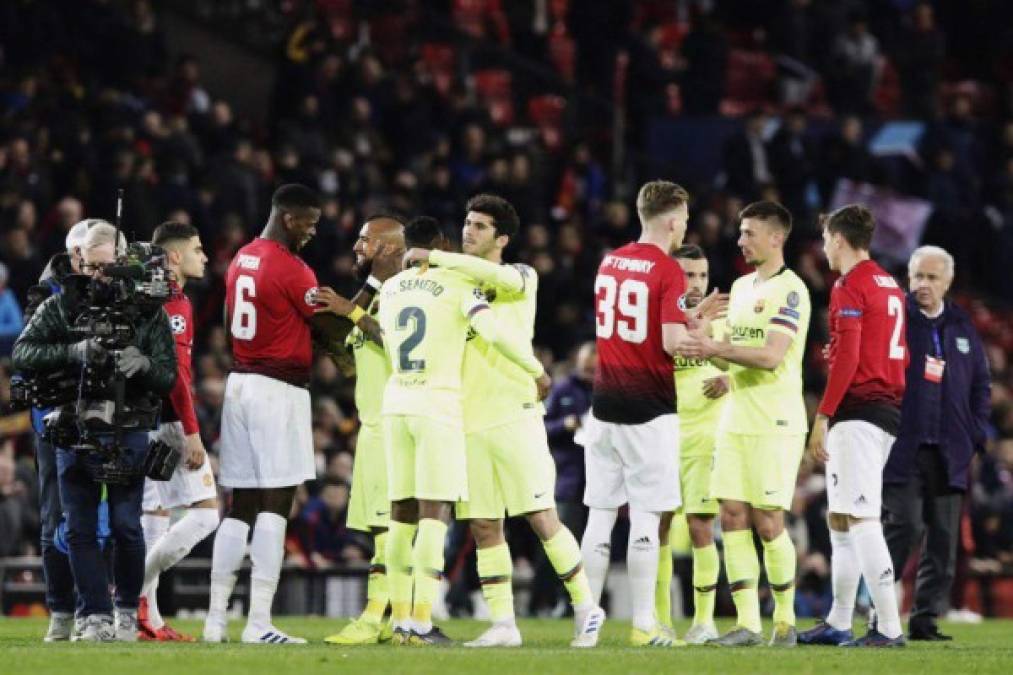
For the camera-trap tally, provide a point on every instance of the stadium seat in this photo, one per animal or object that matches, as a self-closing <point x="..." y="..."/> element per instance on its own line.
<point x="495" y="88"/>
<point x="563" y="52"/>
<point x="439" y="60"/>
<point x="750" y="79"/>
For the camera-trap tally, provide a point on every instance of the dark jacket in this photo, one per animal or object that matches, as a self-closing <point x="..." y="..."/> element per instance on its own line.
<point x="571" y="396"/>
<point x="44" y="346"/>
<point x="960" y="413"/>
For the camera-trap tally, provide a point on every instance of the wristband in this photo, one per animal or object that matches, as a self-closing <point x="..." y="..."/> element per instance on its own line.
<point x="356" y="314"/>
<point x="374" y="283"/>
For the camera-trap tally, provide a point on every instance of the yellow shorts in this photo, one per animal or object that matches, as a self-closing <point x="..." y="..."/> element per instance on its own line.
<point x="425" y="459"/>
<point x="369" y="504"/>
<point x="758" y="470"/>
<point x="510" y="471"/>
<point x="695" y="478"/>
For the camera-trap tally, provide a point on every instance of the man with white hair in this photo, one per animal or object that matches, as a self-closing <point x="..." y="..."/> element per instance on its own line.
<point x="944" y="415"/>
<point x="148" y="366"/>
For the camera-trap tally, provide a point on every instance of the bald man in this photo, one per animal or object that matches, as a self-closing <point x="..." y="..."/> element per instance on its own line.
<point x="378" y="252"/>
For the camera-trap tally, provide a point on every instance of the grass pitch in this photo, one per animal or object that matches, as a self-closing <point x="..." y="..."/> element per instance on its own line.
<point x="985" y="648"/>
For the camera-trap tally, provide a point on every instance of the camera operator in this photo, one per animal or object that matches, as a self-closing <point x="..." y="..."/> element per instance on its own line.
<point x="55" y="565"/>
<point x="149" y="365"/>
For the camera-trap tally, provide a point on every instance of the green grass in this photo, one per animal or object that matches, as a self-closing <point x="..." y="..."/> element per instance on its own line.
<point x="986" y="648"/>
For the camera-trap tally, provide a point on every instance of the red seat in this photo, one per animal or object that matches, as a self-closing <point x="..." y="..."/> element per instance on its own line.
<point x="547" y="110"/>
<point x="493" y="83"/>
<point x="750" y="78"/>
<point x="563" y="52"/>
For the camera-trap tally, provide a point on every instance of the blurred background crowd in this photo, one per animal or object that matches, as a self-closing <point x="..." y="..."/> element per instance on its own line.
<point x="199" y="110"/>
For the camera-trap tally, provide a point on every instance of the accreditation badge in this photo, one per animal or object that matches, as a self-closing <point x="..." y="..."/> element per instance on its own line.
<point x="934" y="369"/>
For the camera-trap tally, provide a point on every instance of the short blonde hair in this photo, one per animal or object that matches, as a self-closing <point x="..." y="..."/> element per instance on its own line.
<point x="101" y="233"/>
<point x="659" y="197"/>
<point x="929" y="251"/>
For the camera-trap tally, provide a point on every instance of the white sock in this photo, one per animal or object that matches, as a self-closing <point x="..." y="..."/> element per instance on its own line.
<point x="153" y="527"/>
<point x="267" y="551"/>
<point x="229" y="551"/>
<point x="877" y="568"/>
<point x="170" y="549"/>
<point x="596" y="548"/>
<point x="846" y="573"/>
<point x="642" y="566"/>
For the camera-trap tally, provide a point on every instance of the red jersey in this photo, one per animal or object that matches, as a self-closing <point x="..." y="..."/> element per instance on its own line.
<point x="636" y="291"/>
<point x="179" y="403"/>
<point x="868" y="347"/>
<point x="270" y="295"/>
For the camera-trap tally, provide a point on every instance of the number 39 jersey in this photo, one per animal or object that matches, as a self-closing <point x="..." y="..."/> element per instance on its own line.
<point x="425" y="315"/>
<point x="270" y="295"/>
<point x="636" y="291"/>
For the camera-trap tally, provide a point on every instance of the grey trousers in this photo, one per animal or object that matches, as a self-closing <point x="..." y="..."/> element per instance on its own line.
<point x="926" y="507"/>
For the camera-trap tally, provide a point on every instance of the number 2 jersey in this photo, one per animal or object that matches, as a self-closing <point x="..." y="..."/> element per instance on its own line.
<point x="636" y="291"/>
<point x="425" y="315"/>
<point x="270" y="296"/>
<point x="868" y="348"/>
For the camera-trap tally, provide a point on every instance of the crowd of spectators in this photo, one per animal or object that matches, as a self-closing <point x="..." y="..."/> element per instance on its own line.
<point x="414" y="106"/>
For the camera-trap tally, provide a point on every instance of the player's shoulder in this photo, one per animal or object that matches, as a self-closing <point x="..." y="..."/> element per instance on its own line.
<point x="790" y="281"/>
<point x="744" y="282"/>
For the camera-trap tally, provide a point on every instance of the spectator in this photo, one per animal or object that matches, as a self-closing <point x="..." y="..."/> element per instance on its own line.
<point x="920" y="56"/>
<point x="11" y="320"/>
<point x="793" y="161"/>
<point x="321" y="526"/>
<point x="18" y="517"/>
<point x="565" y="411"/>
<point x="854" y="67"/>
<point x="746" y="164"/>
<point x="944" y="416"/>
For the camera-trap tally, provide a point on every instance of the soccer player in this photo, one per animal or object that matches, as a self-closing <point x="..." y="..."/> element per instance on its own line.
<point x="426" y="313"/>
<point x="861" y="409"/>
<point x="510" y="468"/>
<point x="192" y="485"/>
<point x="631" y="440"/>
<point x="762" y="430"/>
<point x="700" y="386"/>
<point x="378" y="254"/>
<point x="271" y="297"/>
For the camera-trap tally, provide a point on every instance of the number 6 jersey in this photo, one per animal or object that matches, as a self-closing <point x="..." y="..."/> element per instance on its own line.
<point x="636" y="291"/>
<point x="270" y="296"/>
<point x="425" y="315"/>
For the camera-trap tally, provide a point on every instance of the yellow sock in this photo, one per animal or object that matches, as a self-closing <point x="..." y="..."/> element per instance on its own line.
<point x="779" y="559"/>
<point x="663" y="588"/>
<point x="427" y="569"/>
<point x="495" y="573"/>
<point x="743" y="570"/>
<point x="377" y="594"/>
<point x="706" y="568"/>
<point x="563" y="553"/>
<point x="399" y="574"/>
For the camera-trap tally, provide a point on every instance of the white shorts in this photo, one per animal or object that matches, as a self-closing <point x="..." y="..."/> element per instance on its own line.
<point x="636" y="464"/>
<point x="858" y="452"/>
<point x="186" y="487"/>
<point x="267" y="435"/>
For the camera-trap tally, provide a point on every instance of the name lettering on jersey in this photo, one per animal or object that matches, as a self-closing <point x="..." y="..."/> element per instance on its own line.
<point x="628" y="264"/>
<point x="427" y="285"/>
<point x="748" y="333"/>
<point x="249" y="262"/>
<point x="884" y="281"/>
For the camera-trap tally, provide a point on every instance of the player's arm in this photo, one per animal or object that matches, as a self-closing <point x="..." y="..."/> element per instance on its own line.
<point x="517" y="350"/>
<point x="678" y="341"/>
<point x="330" y="303"/>
<point x="678" y="335"/>
<point x="386" y="263"/>
<point x="781" y="331"/>
<point x="848" y="309"/>
<point x="181" y="400"/>
<point x="512" y="278"/>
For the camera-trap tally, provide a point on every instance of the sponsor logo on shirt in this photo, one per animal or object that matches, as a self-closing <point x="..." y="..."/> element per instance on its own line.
<point x="249" y="262"/>
<point x="747" y="333"/>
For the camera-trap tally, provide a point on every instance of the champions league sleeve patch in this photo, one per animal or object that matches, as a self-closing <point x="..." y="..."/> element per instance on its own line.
<point x="793" y="299"/>
<point x="177" y="322"/>
<point x="311" y="296"/>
